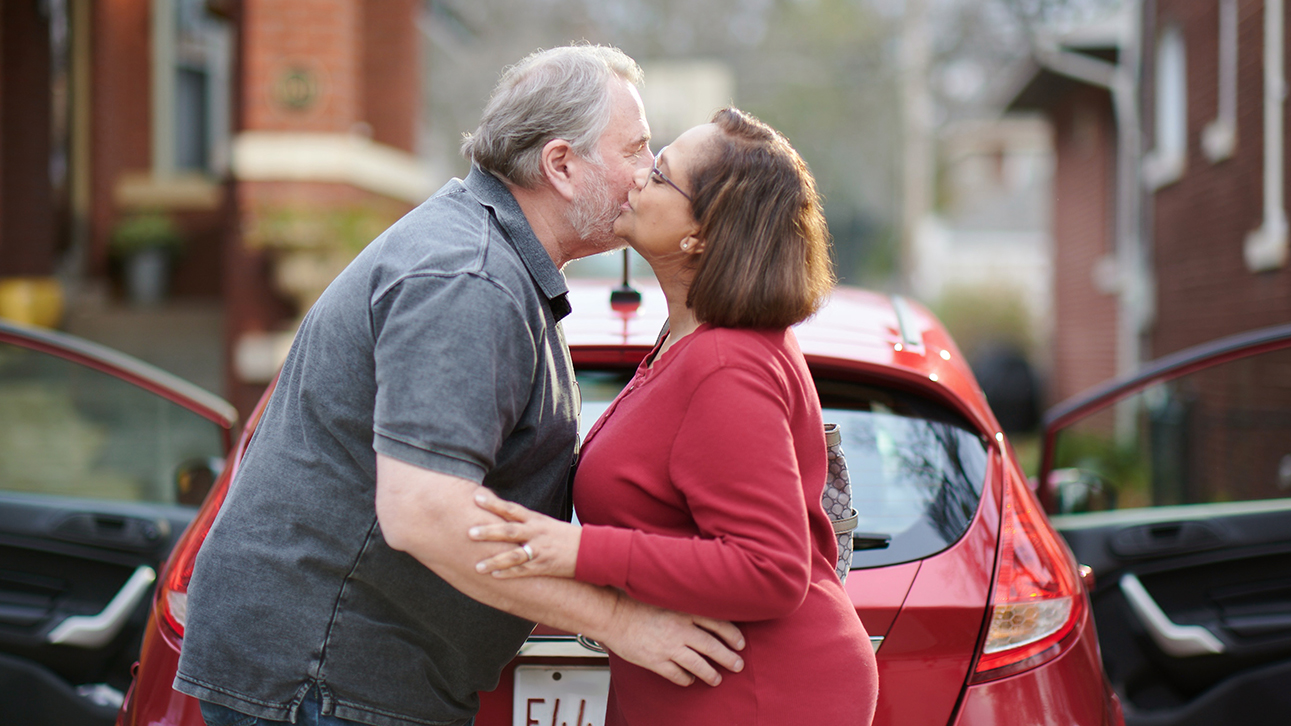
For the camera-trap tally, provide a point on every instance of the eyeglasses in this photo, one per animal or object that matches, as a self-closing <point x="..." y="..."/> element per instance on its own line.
<point x="660" y="176"/>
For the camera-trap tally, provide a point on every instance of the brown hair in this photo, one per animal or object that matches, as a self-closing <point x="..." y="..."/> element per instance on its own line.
<point x="766" y="260"/>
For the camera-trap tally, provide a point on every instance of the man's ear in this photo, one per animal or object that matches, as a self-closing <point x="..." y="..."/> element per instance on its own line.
<point x="560" y="167"/>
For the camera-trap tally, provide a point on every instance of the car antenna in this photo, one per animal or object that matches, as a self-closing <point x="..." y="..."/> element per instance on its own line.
<point x="625" y="298"/>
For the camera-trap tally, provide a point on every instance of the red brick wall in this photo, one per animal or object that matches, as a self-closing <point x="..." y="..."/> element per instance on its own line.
<point x="27" y="232"/>
<point x="362" y="58"/>
<point x="121" y="103"/>
<point x="1083" y="222"/>
<point x="121" y="143"/>
<point x="1200" y="222"/>
<point x="323" y="38"/>
<point x="390" y="71"/>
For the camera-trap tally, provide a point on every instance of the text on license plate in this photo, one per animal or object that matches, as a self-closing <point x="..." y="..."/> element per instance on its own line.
<point x="554" y="696"/>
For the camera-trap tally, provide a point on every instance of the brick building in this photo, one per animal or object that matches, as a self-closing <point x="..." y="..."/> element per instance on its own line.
<point x="1085" y="308"/>
<point x="1166" y="141"/>
<point x="277" y="135"/>
<point x="1219" y="268"/>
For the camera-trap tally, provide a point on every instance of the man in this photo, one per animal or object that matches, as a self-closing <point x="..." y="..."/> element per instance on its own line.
<point x="338" y="579"/>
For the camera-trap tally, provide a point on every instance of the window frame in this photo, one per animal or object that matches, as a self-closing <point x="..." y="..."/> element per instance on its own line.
<point x="1167" y="161"/>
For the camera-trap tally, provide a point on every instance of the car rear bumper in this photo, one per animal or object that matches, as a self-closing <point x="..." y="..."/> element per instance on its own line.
<point x="151" y="700"/>
<point x="1067" y="691"/>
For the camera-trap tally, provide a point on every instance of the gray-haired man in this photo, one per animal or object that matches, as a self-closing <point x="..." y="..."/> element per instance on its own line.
<point x="338" y="581"/>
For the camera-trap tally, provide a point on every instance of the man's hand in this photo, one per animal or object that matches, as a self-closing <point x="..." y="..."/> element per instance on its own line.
<point x="427" y="515"/>
<point x="675" y="645"/>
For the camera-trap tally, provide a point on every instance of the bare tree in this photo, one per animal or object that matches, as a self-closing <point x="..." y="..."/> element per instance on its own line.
<point x="821" y="71"/>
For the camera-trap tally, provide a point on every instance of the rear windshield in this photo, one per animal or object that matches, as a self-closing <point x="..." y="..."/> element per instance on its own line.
<point x="916" y="467"/>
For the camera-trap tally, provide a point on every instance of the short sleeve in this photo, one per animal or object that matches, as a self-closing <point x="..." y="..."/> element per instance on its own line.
<point x="455" y="363"/>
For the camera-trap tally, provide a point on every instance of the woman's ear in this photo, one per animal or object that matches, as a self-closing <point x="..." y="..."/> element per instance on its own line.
<point x="559" y="167"/>
<point x="692" y="244"/>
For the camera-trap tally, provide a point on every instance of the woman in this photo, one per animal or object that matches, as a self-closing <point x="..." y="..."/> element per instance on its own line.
<point x="699" y="488"/>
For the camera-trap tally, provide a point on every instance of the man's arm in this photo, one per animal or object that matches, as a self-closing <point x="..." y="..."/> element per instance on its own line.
<point x="427" y="514"/>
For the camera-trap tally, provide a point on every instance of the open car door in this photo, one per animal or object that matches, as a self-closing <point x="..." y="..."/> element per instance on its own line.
<point x="103" y="461"/>
<point x="1174" y="485"/>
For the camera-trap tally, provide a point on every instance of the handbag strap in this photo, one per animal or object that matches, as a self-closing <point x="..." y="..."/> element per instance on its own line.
<point x="846" y="524"/>
<point x="836" y="499"/>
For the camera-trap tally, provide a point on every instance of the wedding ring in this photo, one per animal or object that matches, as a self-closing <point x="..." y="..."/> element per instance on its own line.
<point x="527" y="550"/>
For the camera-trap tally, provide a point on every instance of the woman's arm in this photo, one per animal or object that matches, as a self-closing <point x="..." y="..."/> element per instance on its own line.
<point x="421" y="512"/>
<point x="735" y="464"/>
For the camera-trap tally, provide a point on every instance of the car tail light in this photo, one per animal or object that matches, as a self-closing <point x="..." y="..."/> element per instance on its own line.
<point x="172" y="596"/>
<point x="1037" y="598"/>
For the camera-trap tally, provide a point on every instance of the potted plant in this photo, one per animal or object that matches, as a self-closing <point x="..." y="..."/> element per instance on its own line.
<point x="146" y="243"/>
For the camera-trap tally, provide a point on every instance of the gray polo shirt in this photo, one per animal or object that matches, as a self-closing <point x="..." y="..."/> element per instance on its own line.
<point x="439" y="346"/>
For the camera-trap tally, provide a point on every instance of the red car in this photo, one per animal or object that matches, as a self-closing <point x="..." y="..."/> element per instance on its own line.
<point x="1174" y="484"/>
<point x="977" y="609"/>
<point x="103" y="461"/>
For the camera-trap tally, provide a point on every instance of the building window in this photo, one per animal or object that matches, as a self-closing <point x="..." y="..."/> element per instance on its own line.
<point x="1165" y="163"/>
<point x="192" y="58"/>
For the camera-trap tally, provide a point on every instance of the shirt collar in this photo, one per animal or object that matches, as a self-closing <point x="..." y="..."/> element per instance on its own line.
<point x="492" y="193"/>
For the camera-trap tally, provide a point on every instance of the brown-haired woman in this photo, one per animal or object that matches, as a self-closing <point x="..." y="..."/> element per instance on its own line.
<point x="699" y="488"/>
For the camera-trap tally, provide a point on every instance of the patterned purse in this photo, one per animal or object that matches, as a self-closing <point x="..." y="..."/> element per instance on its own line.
<point x="837" y="500"/>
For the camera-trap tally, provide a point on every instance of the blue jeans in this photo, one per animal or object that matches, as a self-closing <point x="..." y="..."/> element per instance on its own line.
<point x="309" y="714"/>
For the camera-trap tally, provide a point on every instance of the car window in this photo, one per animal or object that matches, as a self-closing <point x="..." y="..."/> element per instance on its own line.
<point x="916" y="468"/>
<point x="69" y="430"/>
<point x="1222" y="434"/>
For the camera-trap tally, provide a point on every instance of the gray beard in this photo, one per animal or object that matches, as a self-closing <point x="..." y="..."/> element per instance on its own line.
<point x="592" y="215"/>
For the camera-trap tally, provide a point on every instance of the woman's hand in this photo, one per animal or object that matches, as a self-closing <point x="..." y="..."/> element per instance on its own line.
<point x="548" y="547"/>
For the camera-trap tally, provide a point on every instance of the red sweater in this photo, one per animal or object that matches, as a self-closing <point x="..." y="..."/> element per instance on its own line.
<point x="699" y="490"/>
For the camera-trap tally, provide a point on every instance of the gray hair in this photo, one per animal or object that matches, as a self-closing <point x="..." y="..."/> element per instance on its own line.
<point x="552" y="94"/>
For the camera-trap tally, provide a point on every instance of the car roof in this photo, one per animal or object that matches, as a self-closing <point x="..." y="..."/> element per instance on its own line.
<point x="858" y="332"/>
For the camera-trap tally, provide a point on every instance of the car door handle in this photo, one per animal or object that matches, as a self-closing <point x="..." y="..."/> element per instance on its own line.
<point x="1180" y="641"/>
<point x="1166" y="538"/>
<point x="96" y="631"/>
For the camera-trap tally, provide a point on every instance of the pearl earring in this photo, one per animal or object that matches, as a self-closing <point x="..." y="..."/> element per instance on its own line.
<point x="685" y="245"/>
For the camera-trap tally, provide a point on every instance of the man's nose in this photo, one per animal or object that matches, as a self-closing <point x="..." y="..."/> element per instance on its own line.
<point x="642" y="174"/>
<point x="645" y="161"/>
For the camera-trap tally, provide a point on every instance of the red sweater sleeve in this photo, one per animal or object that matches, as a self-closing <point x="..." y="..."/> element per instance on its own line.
<point x="734" y="463"/>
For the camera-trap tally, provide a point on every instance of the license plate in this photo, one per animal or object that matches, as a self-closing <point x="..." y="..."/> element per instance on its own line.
<point x="554" y="696"/>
